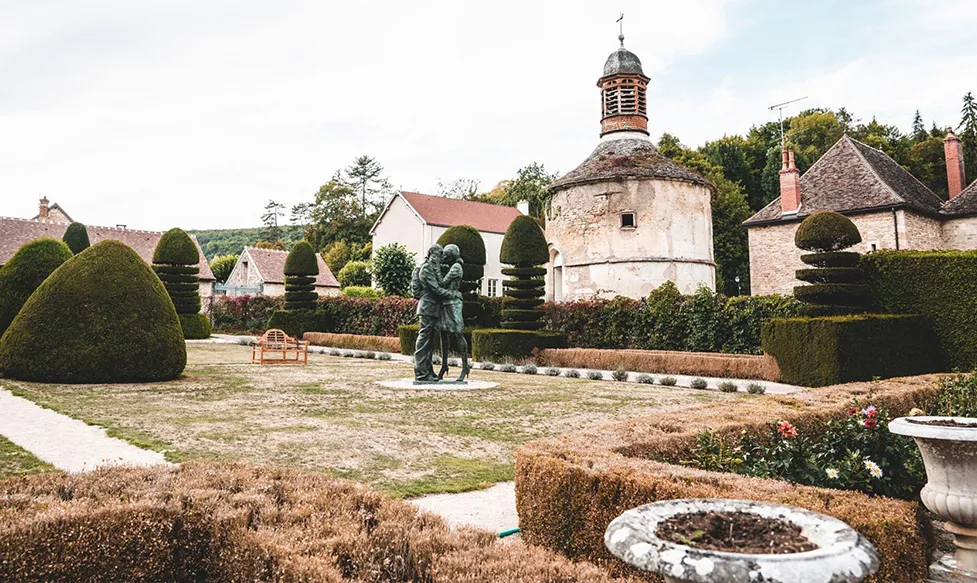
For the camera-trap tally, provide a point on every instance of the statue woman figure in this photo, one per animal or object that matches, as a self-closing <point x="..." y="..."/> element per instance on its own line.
<point x="452" y="324"/>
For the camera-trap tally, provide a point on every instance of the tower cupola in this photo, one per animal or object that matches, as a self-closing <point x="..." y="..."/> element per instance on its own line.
<point x="623" y="90"/>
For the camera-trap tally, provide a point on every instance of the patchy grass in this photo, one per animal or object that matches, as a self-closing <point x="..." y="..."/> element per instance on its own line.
<point x="16" y="461"/>
<point x="330" y="416"/>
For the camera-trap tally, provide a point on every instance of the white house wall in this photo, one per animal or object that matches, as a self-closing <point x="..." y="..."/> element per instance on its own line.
<point x="400" y="225"/>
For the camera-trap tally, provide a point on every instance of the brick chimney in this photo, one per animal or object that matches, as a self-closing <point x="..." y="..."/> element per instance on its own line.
<point x="790" y="184"/>
<point x="42" y="208"/>
<point x="956" y="176"/>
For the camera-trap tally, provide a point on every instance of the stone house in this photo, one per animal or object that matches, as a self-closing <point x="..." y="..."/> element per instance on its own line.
<point x="890" y="207"/>
<point x="51" y="213"/>
<point x="16" y="232"/>
<point x="416" y="221"/>
<point x="262" y="271"/>
<point x="628" y="219"/>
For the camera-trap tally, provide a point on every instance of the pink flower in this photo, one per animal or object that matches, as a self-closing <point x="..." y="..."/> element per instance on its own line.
<point x="870" y="423"/>
<point x="786" y="430"/>
<point x="870" y="411"/>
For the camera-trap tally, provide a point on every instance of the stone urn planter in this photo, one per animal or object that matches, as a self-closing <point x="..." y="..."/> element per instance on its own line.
<point x="949" y="448"/>
<point x="784" y="544"/>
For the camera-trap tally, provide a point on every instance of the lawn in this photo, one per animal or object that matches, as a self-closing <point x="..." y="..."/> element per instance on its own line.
<point x="16" y="461"/>
<point x="329" y="416"/>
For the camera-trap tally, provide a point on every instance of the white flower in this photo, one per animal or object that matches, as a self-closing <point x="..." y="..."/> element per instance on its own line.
<point x="832" y="473"/>
<point x="873" y="468"/>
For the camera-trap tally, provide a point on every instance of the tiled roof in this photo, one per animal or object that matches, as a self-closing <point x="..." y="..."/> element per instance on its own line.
<point x="852" y="176"/>
<point x="451" y="212"/>
<point x="627" y="158"/>
<point x="15" y="232"/>
<point x="270" y="263"/>
<point x="964" y="203"/>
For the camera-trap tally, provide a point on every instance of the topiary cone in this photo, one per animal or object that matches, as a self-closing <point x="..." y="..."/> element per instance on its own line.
<point x="76" y="237"/>
<point x="25" y="271"/>
<point x="523" y="247"/>
<point x="102" y="317"/>
<point x="836" y="286"/>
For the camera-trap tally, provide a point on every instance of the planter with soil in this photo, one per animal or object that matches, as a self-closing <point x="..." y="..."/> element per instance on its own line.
<point x="733" y="541"/>
<point x="949" y="449"/>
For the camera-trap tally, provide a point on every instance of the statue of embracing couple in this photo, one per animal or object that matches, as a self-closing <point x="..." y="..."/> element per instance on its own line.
<point x="435" y="285"/>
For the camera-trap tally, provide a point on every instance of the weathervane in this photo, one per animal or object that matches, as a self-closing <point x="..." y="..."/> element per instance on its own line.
<point x="620" y="21"/>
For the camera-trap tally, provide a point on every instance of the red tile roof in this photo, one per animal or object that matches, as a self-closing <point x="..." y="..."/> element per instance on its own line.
<point x="15" y="232"/>
<point x="270" y="263"/>
<point x="449" y="212"/>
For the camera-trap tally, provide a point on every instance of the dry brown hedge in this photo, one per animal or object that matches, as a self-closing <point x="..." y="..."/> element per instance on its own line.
<point x="569" y="488"/>
<point x="354" y="341"/>
<point x="710" y="364"/>
<point x="229" y="523"/>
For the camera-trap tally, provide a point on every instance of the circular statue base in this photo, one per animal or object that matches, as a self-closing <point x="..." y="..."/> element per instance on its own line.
<point x="409" y="384"/>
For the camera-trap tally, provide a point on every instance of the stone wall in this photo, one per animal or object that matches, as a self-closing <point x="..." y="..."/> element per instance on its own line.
<point x="960" y="233"/>
<point x="671" y="239"/>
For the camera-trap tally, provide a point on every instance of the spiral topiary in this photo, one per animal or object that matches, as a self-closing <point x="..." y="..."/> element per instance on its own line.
<point x="175" y="261"/>
<point x="472" y="247"/>
<point x="102" y="317"/>
<point x="76" y="237"/>
<point x="837" y="286"/>
<point x="301" y="267"/>
<point x="524" y="248"/>
<point x="26" y="270"/>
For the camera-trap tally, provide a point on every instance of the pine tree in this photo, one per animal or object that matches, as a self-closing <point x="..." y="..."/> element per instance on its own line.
<point x="273" y="210"/>
<point x="919" y="129"/>
<point x="968" y="131"/>
<point x="365" y="175"/>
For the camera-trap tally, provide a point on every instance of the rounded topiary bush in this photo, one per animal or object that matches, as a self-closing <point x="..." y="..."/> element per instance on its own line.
<point x="524" y="248"/>
<point x="826" y="231"/>
<point x="301" y="260"/>
<point x="26" y="270"/>
<point x="76" y="237"/>
<point x="195" y="326"/>
<point x="301" y="267"/>
<point x="175" y="262"/>
<point x="176" y="247"/>
<point x="524" y="244"/>
<point x="102" y="317"/>
<point x="472" y="247"/>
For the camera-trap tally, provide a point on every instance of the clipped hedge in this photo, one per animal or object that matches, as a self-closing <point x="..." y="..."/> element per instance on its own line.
<point x="248" y="314"/>
<point x="232" y="523"/>
<point x="195" y="326"/>
<point x="301" y="260"/>
<point x="826" y="231"/>
<point x="737" y="366"/>
<point x="941" y="285"/>
<point x="407" y="340"/>
<point x="570" y="487"/>
<point x="76" y="237"/>
<point x="175" y="247"/>
<point x="175" y="262"/>
<point x="102" y="317"/>
<point x="501" y="344"/>
<point x="301" y="267"/>
<point x="815" y="352"/>
<point x="25" y="271"/>
<point x="353" y="341"/>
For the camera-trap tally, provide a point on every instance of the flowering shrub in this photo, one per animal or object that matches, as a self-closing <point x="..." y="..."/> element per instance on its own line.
<point x="957" y="397"/>
<point x="856" y="453"/>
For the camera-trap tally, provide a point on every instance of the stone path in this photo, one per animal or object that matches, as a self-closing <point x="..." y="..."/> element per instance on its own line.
<point x="67" y="444"/>
<point x="492" y="509"/>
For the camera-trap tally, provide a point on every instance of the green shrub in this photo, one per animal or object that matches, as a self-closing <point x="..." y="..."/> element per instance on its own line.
<point x="76" y="238"/>
<point x="552" y="372"/>
<point x="529" y="369"/>
<point x="359" y="291"/>
<point x="668" y="381"/>
<point x="508" y="367"/>
<point x="699" y="383"/>
<point x="355" y="273"/>
<point x="222" y="267"/>
<point x="826" y="231"/>
<point x="727" y="387"/>
<point x="175" y="247"/>
<point x="815" y="352"/>
<point x="620" y="375"/>
<point x="572" y="374"/>
<point x="832" y="259"/>
<point x="941" y="285"/>
<point x="25" y="271"/>
<point x="301" y="267"/>
<point x="524" y="248"/>
<point x="646" y="379"/>
<point x="524" y="244"/>
<point x="957" y="396"/>
<point x="756" y="389"/>
<point x="301" y="260"/>
<point x="595" y="375"/>
<point x="499" y="344"/>
<point x="102" y="317"/>
<point x="195" y="326"/>
<point x="392" y="267"/>
<point x="831" y="275"/>
<point x="295" y="322"/>
<point x="488" y="366"/>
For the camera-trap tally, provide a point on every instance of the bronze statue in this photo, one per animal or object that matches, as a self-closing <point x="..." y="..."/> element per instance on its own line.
<point x="427" y="288"/>
<point x="452" y="324"/>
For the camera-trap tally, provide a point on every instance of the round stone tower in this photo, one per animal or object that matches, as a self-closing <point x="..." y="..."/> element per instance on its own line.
<point x="628" y="219"/>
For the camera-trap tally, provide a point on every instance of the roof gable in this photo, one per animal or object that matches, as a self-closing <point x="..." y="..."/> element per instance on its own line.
<point x="439" y="211"/>
<point x="270" y="264"/>
<point x="964" y="203"/>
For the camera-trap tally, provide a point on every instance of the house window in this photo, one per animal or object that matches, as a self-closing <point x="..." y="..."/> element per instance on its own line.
<point x="874" y="248"/>
<point x="627" y="220"/>
<point x="493" y="288"/>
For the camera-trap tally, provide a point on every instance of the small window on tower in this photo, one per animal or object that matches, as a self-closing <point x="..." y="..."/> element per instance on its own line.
<point x="627" y="220"/>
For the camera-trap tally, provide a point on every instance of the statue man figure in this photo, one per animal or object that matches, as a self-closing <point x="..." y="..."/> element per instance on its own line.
<point x="426" y="284"/>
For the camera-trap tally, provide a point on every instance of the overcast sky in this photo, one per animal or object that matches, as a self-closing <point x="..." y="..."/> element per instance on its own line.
<point x="194" y="113"/>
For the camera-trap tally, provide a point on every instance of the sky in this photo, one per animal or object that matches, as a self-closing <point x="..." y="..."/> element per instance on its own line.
<point x="195" y="113"/>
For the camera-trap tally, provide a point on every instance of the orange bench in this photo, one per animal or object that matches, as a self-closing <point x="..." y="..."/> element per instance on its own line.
<point x="277" y="342"/>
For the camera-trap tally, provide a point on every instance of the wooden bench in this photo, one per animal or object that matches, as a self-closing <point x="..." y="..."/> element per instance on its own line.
<point x="277" y="342"/>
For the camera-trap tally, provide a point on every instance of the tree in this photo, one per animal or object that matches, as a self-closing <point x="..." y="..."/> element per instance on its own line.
<point x="337" y="256"/>
<point x="273" y="210"/>
<point x="222" y="266"/>
<point x="302" y="216"/>
<point x="392" y="268"/>
<point x="532" y="183"/>
<point x="276" y="245"/>
<point x="919" y="128"/>
<point x="968" y="131"/>
<point x="355" y="273"/>
<point x="463" y="188"/>
<point x="365" y="175"/>
<point x="926" y="161"/>
<point x="76" y="237"/>
<point x="337" y="216"/>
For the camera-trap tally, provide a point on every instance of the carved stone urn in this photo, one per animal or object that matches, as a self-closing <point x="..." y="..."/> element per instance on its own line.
<point x="840" y="555"/>
<point x="949" y="448"/>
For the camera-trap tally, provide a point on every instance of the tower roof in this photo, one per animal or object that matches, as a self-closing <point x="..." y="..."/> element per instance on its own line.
<point x="622" y="62"/>
<point x="628" y="158"/>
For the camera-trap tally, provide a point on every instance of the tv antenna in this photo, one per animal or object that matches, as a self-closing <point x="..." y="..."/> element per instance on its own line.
<point x="780" y="108"/>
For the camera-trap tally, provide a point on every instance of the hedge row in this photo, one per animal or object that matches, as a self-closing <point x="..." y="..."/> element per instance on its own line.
<point x="814" y="352"/>
<point x="353" y="341"/>
<point x="244" y="314"/>
<point x="941" y="285"/>
<point x="407" y="340"/>
<point x="501" y="344"/>
<point x="569" y="488"/>
<point x="710" y="364"/>
<point x="234" y="523"/>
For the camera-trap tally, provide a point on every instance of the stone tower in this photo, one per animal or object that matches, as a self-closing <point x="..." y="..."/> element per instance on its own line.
<point x="628" y="219"/>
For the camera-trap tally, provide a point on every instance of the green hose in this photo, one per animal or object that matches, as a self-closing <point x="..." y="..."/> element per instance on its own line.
<point x="509" y="532"/>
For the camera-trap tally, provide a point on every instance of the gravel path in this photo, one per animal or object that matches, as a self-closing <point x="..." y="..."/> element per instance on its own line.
<point x="492" y="508"/>
<point x="66" y="443"/>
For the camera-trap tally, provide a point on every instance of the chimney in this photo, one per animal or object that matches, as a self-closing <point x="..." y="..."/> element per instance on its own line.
<point x="790" y="184"/>
<point x="523" y="206"/>
<point x="956" y="176"/>
<point x="42" y="209"/>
